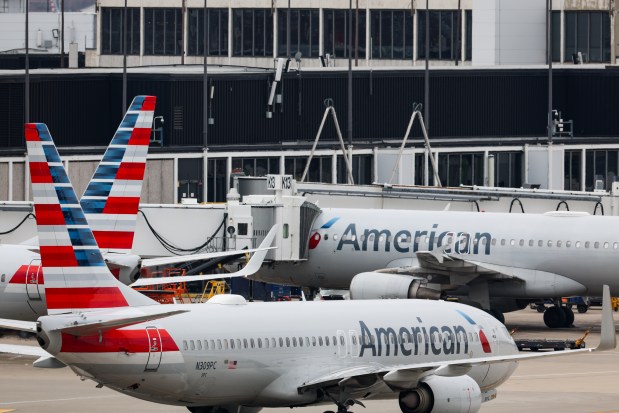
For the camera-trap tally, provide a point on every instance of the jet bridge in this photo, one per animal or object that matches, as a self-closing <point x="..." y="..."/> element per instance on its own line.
<point x="249" y="221"/>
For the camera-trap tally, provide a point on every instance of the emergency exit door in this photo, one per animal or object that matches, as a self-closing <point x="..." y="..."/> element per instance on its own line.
<point x="155" y="349"/>
<point x="34" y="276"/>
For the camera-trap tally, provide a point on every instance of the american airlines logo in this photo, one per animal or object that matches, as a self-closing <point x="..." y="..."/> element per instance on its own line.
<point x="407" y="341"/>
<point x="405" y="241"/>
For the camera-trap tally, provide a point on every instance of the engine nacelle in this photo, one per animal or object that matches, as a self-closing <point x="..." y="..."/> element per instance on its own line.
<point x="437" y="394"/>
<point x="125" y="266"/>
<point x="377" y="285"/>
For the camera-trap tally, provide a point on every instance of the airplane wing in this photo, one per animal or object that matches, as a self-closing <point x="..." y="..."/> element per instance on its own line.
<point x="29" y="326"/>
<point x="153" y="262"/>
<point x="252" y="267"/>
<point x="407" y="376"/>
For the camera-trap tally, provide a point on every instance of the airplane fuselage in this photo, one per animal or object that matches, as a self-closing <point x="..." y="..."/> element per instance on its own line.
<point x="259" y="354"/>
<point x="346" y="242"/>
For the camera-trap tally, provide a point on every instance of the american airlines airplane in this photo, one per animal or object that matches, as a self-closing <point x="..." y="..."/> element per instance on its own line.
<point x="110" y="205"/>
<point x="499" y="262"/>
<point x="433" y="356"/>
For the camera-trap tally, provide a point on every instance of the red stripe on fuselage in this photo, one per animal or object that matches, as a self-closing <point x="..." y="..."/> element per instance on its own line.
<point x="121" y="205"/>
<point x="39" y="173"/>
<point x="31" y="132"/>
<point x="84" y="297"/>
<point x="49" y="214"/>
<point x="54" y="256"/>
<point x="114" y="239"/>
<point x="20" y="275"/>
<point x="139" y="137"/>
<point x="116" y="341"/>
<point x="131" y="171"/>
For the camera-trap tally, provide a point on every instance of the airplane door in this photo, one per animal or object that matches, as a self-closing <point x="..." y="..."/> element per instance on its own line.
<point x="155" y="349"/>
<point x="353" y="343"/>
<point x="342" y="349"/>
<point x="33" y="275"/>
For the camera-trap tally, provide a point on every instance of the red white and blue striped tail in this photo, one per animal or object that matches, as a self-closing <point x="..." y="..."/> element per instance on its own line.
<point x="76" y="277"/>
<point x="112" y="197"/>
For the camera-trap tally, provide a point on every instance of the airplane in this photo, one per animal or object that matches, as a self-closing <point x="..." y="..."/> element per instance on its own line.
<point x="110" y="204"/>
<point x="498" y="262"/>
<point x="433" y="356"/>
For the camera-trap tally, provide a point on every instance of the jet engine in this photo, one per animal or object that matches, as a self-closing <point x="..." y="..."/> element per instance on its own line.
<point x="124" y="266"/>
<point x="377" y="285"/>
<point x="437" y="394"/>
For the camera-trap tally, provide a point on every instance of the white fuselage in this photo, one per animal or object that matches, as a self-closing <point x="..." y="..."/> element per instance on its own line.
<point x="346" y="242"/>
<point x="259" y="354"/>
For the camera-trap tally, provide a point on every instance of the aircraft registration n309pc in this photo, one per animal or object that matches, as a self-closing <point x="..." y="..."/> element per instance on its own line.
<point x="231" y="356"/>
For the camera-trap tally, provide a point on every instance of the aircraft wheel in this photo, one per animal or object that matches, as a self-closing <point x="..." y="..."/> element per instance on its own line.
<point x="540" y="308"/>
<point x="569" y="316"/>
<point x="554" y="317"/>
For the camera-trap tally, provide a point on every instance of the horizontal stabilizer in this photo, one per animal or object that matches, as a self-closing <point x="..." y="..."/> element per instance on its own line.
<point x="29" y="326"/>
<point x="99" y="325"/>
<point x="251" y="268"/>
<point x="153" y="262"/>
<point x="22" y="350"/>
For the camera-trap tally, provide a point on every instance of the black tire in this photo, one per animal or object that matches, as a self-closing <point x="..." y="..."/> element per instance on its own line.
<point x="582" y="308"/>
<point x="540" y="308"/>
<point x="554" y="317"/>
<point x="569" y="316"/>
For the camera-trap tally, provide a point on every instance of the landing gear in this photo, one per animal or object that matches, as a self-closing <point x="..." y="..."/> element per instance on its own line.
<point x="342" y="407"/>
<point x="558" y="316"/>
<point x="498" y="315"/>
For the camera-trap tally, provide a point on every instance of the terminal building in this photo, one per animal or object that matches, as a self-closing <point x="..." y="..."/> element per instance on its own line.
<point x="488" y="103"/>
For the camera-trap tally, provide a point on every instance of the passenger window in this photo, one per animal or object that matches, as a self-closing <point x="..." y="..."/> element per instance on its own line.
<point x="314" y="341"/>
<point x="596" y="245"/>
<point x="307" y="342"/>
<point x="493" y="241"/>
<point x="294" y="341"/>
<point x="219" y="346"/>
<point x="522" y="243"/>
<point x="354" y="340"/>
<point x="251" y="343"/>
<point x="287" y="341"/>
<point x="587" y="244"/>
<point x="192" y="345"/>
<point x="199" y="343"/>
<point x="273" y="343"/>
<point x="615" y="245"/>
<point x="232" y="344"/>
<point x="326" y="235"/>
<point x="605" y="245"/>
<point x="225" y="344"/>
<point x="549" y="243"/>
<point x="512" y="242"/>
<point x="281" y="342"/>
<point x="540" y="243"/>
<point x="320" y="341"/>
<point x="334" y="237"/>
<point x="559" y="244"/>
<point x="238" y="343"/>
<point x="577" y="245"/>
<point x="326" y="341"/>
<point x="503" y="242"/>
<point x="531" y="243"/>
<point x="259" y="343"/>
<point x="245" y="343"/>
<point x="568" y="244"/>
<point x="185" y="346"/>
<point x="206" y="347"/>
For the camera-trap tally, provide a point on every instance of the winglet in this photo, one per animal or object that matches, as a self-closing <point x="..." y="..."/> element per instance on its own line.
<point x="608" y="337"/>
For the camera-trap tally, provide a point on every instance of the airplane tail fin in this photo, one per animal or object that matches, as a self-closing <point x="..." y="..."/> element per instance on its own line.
<point x="112" y="197"/>
<point x="76" y="277"/>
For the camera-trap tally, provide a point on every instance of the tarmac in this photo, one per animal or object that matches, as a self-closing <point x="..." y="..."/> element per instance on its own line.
<point x="580" y="383"/>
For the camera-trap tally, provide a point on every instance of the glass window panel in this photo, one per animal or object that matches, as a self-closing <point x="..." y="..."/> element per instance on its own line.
<point x="605" y="37"/>
<point x="314" y="33"/>
<point x="582" y="34"/>
<point x="281" y="32"/>
<point x="435" y="35"/>
<point x="595" y="37"/>
<point x="446" y="39"/>
<point x="386" y="41"/>
<point x="570" y="35"/>
<point x="305" y="31"/>
<point x="421" y="35"/>
<point x="556" y="36"/>
<point x="408" y="34"/>
<point x="375" y="40"/>
<point x="469" y="35"/>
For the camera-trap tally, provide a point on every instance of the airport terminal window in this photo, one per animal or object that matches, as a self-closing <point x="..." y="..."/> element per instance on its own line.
<point x="391" y="34"/>
<point x="361" y="170"/>
<point x="256" y="166"/>
<point x="217" y="36"/>
<point x="455" y="169"/>
<point x="216" y="179"/>
<point x="112" y="23"/>
<point x="587" y="33"/>
<point x="163" y="31"/>
<point x="252" y="33"/>
<point x="444" y="33"/>
<point x="319" y="170"/>
<point x="335" y="33"/>
<point x="572" y="168"/>
<point x="508" y="169"/>
<point x="304" y="32"/>
<point x="601" y="168"/>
